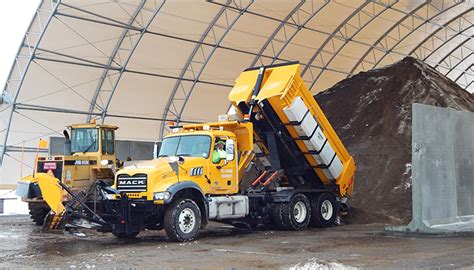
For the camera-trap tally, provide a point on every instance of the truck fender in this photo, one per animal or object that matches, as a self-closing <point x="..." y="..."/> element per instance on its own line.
<point x="190" y="185"/>
<point x="284" y="196"/>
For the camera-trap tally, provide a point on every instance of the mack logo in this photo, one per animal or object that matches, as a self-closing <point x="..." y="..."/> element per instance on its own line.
<point x="132" y="182"/>
<point x="135" y="183"/>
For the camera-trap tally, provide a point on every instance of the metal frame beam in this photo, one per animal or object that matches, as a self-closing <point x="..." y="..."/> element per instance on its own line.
<point x="411" y="15"/>
<point x="116" y="51"/>
<point x="199" y="58"/>
<point x="32" y="107"/>
<point x="285" y="28"/>
<point x="30" y="43"/>
<point x="414" y="29"/>
<point x="101" y="66"/>
<point x="459" y="63"/>
<point x="464" y="74"/>
<point x="397" y="28"/>
<point x="445" y="37"/>
<point x="467" y="86"/>
<point x="447" y="58"/>
<point x="128" y="45"/>
<point x="360" y="22"/>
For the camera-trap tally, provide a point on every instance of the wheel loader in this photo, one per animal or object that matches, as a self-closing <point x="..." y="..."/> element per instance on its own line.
<point x="79" y="168"/>
<point x="304" y="174"/>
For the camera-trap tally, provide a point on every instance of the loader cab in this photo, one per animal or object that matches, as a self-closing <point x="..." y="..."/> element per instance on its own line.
<point x="93" y="140"/>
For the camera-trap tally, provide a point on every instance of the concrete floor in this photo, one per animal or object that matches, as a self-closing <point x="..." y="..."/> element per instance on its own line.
<point x="221" y="247"/>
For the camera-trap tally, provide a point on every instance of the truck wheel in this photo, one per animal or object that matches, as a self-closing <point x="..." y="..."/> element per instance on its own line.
<point x="277" y="216"/>
<point x="182" y="220"/>
<point x="325" y="210"/>
<point x="296" y="214"/>
<point x="125" y="235"/>
<point x="38" y="212"/>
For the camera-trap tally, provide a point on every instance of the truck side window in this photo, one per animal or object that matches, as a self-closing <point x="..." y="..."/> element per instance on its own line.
<point x="110" y="142"/>
<point x="103" y="142"/>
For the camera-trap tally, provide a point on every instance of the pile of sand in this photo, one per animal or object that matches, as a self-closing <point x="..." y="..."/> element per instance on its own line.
<point x="371" y="112"/>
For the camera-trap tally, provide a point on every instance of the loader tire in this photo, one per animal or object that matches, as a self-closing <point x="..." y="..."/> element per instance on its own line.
<point x="294" y="215"/>
<point x="182" y="220"/>
<point x="325" y="210"/>
<point x="38" y="212"/>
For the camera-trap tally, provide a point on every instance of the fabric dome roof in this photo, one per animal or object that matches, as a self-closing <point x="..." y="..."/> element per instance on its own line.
<point x="137" y="64"/>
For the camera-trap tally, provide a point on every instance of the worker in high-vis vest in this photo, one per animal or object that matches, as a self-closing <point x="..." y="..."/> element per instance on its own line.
<point x="219" y="152"/>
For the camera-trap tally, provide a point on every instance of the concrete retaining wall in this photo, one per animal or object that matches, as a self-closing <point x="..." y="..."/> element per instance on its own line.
<point x="442" y="170"/>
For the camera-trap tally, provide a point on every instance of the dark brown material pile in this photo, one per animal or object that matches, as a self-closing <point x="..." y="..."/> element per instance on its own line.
<point x="371" y="112"/>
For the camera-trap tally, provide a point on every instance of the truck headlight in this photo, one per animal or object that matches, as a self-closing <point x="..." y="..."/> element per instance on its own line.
<point x="162" y="195"/>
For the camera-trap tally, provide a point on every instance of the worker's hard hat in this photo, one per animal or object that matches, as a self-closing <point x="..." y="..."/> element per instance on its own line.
<point x="220" y="142"/>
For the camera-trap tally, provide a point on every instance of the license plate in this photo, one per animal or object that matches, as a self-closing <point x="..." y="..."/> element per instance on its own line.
<point x="50" y="166"/>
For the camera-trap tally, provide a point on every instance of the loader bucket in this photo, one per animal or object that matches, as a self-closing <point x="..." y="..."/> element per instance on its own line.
<point x="52" y="194"/>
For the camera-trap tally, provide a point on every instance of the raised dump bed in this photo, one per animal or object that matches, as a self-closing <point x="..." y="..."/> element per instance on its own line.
<point x="310" y="151"/>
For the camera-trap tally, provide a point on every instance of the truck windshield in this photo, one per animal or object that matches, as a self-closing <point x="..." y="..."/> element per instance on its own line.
<point x="84" y="140"/>
<point x="190" y="146"/>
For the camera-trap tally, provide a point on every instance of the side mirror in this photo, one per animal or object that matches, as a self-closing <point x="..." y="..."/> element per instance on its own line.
<point x="178" y="159"/>
<point x="229" y="149"/>
<point x="66" y="135"/>
<point x="156" y="149"/>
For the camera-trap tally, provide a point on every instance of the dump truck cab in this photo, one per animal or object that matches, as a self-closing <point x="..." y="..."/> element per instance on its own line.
<point x="190" y="157"/>
<point x="89" y="154"/>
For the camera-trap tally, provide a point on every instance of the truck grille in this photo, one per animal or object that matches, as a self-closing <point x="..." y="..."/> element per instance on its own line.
<point x="134" y="183"/>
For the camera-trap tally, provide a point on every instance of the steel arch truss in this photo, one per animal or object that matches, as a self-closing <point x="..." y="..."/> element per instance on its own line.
<point x="131" y="36"/>
<point x="458" y="25"/>
<point x="24" y="58"/>
<point x="466" y="82"/>
<point x="288" y="28"/>
<point x="403" y="28"/>
<point x="219" y="27"/>
<point x="343" y="34"/>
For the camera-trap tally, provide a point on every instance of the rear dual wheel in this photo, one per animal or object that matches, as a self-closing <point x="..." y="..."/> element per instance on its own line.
<point x="294" y="215"/>
<point x="299" y="212"/>
<point x="325" y="210"/>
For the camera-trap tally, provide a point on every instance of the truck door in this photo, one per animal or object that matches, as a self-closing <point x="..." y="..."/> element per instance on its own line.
<point x="223" y="167"/>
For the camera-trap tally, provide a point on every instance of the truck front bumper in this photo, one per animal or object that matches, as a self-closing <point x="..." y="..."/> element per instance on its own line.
<point x="131" y="215"/>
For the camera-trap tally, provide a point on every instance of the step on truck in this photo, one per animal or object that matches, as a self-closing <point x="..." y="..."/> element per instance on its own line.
<point x="302" y="173"/>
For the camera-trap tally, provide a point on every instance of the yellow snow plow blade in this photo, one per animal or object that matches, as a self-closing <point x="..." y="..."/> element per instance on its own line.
<point x="51" y="192"/>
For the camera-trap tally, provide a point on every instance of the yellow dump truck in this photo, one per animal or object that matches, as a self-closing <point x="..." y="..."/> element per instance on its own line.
<point x="79" y="167"/>
<point x="304" y="173"/>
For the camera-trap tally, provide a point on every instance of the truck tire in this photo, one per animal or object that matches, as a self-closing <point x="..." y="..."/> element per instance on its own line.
<point x="125" y="235"/>
<point x="277" y="216"/>
<point x="294" y="215"/>
<point x="38" y="212"/>
<point x="182" y="220"/>
<point x="325" y="210"/>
